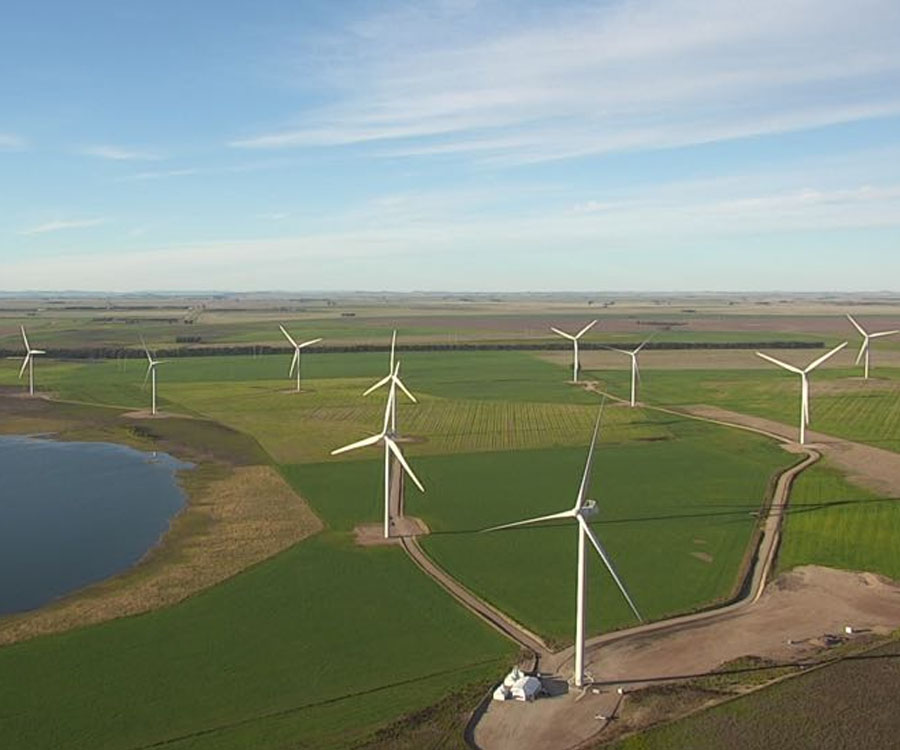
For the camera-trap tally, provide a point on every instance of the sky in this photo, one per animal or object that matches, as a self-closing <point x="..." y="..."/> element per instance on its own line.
<point x="477" y="145"/>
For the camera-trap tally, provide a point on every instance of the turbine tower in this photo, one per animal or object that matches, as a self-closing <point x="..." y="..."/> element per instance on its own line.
<point x="574" y="339"/>
<point x="866" y="342"/>
<point x="29" y="362"/>
<point x="393" y="378"/>
<point x="581" y="511"/>
<point x="635" y="371"/>
<point x="804" y="383"/>
<point x="388" y="436"/>
<point x="151" y="373"/>
<point x="295" y="362"/>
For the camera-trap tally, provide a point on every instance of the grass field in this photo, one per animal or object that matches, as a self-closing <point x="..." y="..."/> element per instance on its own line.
<point x="274" y="656"/>
<point x="675" y="513"/>
<point x="271" y="656"/>
<point x="835" y="523"/>
<point x="842" y="404"/>
<point x="849" y="704"/>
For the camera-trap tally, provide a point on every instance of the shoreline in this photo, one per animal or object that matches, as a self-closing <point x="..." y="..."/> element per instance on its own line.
<point x="236" y="513"/>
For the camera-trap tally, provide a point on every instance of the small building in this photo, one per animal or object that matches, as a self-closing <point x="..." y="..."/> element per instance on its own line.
<point x="526" y="689"/>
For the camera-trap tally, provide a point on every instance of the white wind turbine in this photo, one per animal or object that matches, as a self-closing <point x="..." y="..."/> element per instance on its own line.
<point x="581" y="511"/>
<point x="387" y="436"/>
<point x="295" y="362"/>
<point x="393" y="378"/>
<point x="804" y="383"/>
<point x="635" y="371"/>
<point x="574" y="339"/>
<point x="29" y="361"/>
<point x="866" y="343"/>
<point x="151" y="373"/>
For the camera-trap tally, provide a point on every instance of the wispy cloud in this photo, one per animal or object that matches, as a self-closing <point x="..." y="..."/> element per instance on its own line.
<point x="596" y="79"/>
<point x="11" y="142"/>
<point x="59" y="225"/>
<point x="120" y="153"/>
<point x="161" y="174"/>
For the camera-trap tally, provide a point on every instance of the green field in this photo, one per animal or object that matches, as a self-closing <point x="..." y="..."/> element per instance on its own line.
<point x="849" y="704"/>
<point x="676" y="513"/>
<point x="276" y="655"/>
<point x="842" y="404"/>
<point x="835" y="523"/>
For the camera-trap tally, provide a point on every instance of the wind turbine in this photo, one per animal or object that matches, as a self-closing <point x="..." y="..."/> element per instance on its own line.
<point x="574" y="340"/>
<point x="151" y="373"/>
<point x="393" y="378"/>
<point x="295" y="362"/>
<point x="866" y="343"/>
<point x="804" y="383"/>
<point x="581" y="511"/>
<point x="388" y="437"/>
<point x="29" y="361"/>
<point x="635" y="372"/>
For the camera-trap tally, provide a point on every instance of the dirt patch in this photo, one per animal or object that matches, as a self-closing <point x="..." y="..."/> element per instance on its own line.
<point x="235" y="518"/>
<point x="372" y="534"/>
<point x="791" y="622"/>
<point x="704" y="556"/>
<point x="874" y="468"/>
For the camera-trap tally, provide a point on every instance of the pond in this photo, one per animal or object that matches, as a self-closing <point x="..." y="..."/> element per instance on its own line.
<point x="72" y="514"/>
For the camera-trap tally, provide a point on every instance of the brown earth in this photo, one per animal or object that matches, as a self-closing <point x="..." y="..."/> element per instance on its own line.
<point x="785" y="626"/>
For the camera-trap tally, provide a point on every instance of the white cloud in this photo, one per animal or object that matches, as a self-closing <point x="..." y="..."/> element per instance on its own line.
<point x="59" y="225"/>
<point x="119" y="153"/>
<point x="581" y="80"/>
<point x="11" y="142"/>
<point x="160" y="174"/>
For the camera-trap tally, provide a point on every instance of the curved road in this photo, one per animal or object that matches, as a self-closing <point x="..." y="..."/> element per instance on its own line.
<point x="551" y="661"/>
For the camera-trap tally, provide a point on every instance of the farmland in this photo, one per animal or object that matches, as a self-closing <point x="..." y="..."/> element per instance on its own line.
<point x="279" y="651"/>
<point x="851" y="703"/>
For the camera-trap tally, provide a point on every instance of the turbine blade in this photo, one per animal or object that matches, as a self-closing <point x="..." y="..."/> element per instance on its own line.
<point x="563" y="334"/>
<point x="146" y="350"/>
<point x="585" y="329"/>
<point x="38" y="351"/>
<point x="404" y="389"/>
<point x="637" y="370"/>
<point x="399" y="454"/>
<point x="358" y="444"/>
<point x="613" y="349"/>
<point x="821" y="359"/>
<point x="24" y="364"/>
<point x="778" y="362"/>
<point x="862" y="349"/>
<point x="25" y="339"/>
<point x="532" y="521"/>
<point x="586" y="476"/>
<point x="393" y="347"/>
<point x="856" y="325"/>
<point x="287" y="335"/>
<point x="147" y="374"/>
<point x="609" y="565"/>
<point x="643" y="344"/>
<point x="388" y="409"/>
<point x="385" y="379"/>
<point x="294" y="360"/>
<point x="882" y="333"/>
<point x="309" y="343"/>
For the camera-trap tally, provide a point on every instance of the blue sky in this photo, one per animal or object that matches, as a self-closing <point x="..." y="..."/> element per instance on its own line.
<point x="450" y="145"/>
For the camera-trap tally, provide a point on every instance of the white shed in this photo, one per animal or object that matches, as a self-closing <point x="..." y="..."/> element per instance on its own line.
<point x="526" y="689"/>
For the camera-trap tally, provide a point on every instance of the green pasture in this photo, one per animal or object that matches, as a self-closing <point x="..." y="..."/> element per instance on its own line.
<point x="835" y="523"/>
<point x="676" y="513"/>
<point x="314" y="647"/>
<point x="842" y="403"/>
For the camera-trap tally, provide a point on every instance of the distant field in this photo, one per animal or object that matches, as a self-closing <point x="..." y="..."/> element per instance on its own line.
<point x="676" y="514"/>
<point x="835" y="523"/>
<point x="850" y="704"/>
<point x="843" y="404"/>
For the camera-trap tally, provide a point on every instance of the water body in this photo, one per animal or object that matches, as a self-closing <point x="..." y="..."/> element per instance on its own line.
<point x="72" y="514"/>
